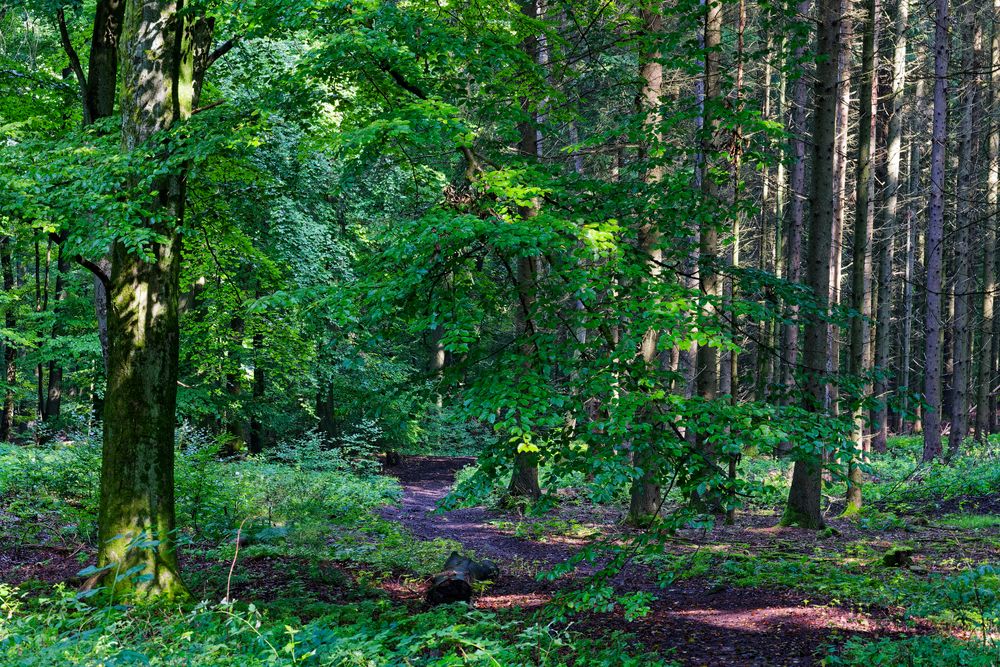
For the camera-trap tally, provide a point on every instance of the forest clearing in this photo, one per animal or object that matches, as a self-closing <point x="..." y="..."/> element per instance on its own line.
<point x="464" y="332"/>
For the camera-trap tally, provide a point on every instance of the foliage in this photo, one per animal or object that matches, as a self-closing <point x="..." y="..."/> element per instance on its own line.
<point x="60" y="628"/>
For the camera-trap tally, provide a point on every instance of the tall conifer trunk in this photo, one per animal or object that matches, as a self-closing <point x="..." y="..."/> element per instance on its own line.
<point x="894" y="145"/>
<point x="864" y="225"/>
<point x="985" y="359"/>
<point x="935" y="239"/>
<point x="803" y="508"/>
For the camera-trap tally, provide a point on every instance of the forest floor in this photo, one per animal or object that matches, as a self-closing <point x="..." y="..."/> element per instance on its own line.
<point x="696" y="621"/>
<point x="744" y="595"/>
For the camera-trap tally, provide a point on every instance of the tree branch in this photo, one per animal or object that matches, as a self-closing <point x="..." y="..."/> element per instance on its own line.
<point x="74" y="63"/>
<point x="223" y="49"/>
<point x="91" y="266"/>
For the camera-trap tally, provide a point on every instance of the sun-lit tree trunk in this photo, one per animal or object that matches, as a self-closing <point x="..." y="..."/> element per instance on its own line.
<point x="965" y="192"/>
<point x="894" y="146"/>
<point x="840" y="200"/>
<point x="917" y="127"/>
<point x="864" y="226"/>
<point x="985" y="357"/>
<point x="137" y="519"/>
<point x="935" y="238"/>
<point x="803" y="508"/>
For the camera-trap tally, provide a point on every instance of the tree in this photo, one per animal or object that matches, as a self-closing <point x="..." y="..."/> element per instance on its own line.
<point x="164" y="52"/>
<point x="985" y="360"/>
<point x="645" y="496"/>
<point x="894" y="144"/>
<point x="935" y="238"/>
<point x="967" y="153"/>
<point x="864" y="222"/>
<point x="803" y="507"/>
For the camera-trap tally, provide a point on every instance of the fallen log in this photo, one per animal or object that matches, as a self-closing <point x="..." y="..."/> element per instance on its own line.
<point x="455" y="581"/>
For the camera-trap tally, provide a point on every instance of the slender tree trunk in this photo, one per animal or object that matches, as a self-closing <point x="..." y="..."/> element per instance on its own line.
<point x="524" y="479"/>
<point x="985" y="361"/>
<point x="967" y="152"/>
<point x="864" y="226"/>
<point x="53" y="403"/>
<point x="832" y="393"/>
<point x="9" y="349"/>
<point x="935" y="238"/>
<point x="912" y="250"/>
<point x="894" y="142"/>
<point x="645" y="495"/>
<point x="796" y="207"/>
<point x="803" y="508"/>
<point x="707" y="375"/>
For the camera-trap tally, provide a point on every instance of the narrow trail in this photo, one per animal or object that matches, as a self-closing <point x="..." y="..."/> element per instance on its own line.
<point x="694" y="622"/>
<point x="426" y="481"/>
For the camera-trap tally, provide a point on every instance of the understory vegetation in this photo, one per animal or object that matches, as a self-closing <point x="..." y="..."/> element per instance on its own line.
<point x="294" y="562"/>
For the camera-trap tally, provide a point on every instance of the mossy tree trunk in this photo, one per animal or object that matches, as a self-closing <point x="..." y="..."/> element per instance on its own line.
<point x="136" y="522"/>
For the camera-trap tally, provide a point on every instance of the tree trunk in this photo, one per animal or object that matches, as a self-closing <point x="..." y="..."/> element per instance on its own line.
<point x="796" y="209"/>
<point x="255" y="444"/>
<point x="645" y="498"/>
<point x="9" y="350"/>
<point x="137" y="519"/>
<point x="985" y="361"/>
<point x="53" y="402"/>
<point x="524" y="479"/>
<point x="707" y="366"/>
<point x="965" y="190"/>
<point x="894" y="142"/>
<point x="935" y="239"/>
<point x="864" y="225"/>
<point x="803" y="508"/>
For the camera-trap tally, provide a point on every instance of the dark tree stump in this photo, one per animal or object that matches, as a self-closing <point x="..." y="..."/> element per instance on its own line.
<point x="454" y="582"/>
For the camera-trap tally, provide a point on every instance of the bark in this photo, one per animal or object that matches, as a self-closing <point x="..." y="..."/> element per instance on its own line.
<point x="985" y="360"/>
<point x="524" y="479"/>
<point x="9" y="349"/>
<point x="137" y="516"/>
<point x="864" y="225"/>
<point x="832" y="395"/>
<point x="894" y="142"/>
<point x="803" y="508"/>
<point x="255" y="444"/>
<point x="710" y="287"/>
<point x="796" y="209"/>
<point x="53" y="402"/>
<point x="645" y="498"/>
<point x="912" y="242"/>
<point x="935" y="239"/>
<point x="965" y="189"/>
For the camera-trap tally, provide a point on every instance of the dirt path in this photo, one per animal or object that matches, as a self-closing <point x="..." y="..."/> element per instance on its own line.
<point x="693" y="623"/>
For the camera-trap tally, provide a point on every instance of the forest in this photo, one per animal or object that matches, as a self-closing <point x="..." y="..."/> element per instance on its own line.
<point x="499" y="332"/>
